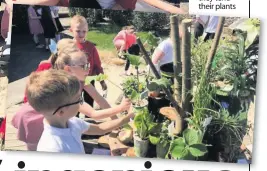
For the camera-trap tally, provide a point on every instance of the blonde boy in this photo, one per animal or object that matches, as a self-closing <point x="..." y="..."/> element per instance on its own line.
<point x="57" y="95"/>
<point x="79" y="28"/>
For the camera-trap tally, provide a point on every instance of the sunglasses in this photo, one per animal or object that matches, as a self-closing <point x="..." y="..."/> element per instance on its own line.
<point x="85" y="67"/>
<point x="81" y="100"/>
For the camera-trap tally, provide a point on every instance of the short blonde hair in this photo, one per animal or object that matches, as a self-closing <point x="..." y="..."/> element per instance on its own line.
<point x="78" y="19"/>
<point x="47" y="90"/>
<point x="67" y="53"/>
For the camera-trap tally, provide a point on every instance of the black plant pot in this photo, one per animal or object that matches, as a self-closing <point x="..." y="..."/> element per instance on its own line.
<point x="167" y="71"/>
<point x="155" y="104"/>
<point x="231" y="103"/>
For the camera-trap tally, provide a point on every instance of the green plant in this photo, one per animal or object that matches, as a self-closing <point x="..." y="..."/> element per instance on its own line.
<point x="158" y="84"/>
<point x="189" y="146"/>
<point x="161" y="139"/>
<point x="234" y="65"/>
<point x="230" y="130"/>
<point x="150" y="21"/>
<point x="162" y="136"/>
<point x="144" y="124"/>
<point x="132" y="88"/>
<point x="99" y="78"/>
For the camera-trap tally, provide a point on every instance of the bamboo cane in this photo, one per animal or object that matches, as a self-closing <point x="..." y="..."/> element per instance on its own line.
<point x="186" y="64"/>
<point x="176" y="58"/>
<point x="214" y="44"/>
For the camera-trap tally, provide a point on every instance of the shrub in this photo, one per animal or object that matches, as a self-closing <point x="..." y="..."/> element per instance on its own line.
<point x="150" y="21"/>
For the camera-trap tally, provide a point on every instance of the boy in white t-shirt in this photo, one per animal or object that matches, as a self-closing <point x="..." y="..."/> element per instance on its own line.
<point x="57" y="95"/>
<point x="163" y="54"/>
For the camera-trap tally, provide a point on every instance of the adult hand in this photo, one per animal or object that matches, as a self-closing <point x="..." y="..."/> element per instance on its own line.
<point x="125" y="104"/>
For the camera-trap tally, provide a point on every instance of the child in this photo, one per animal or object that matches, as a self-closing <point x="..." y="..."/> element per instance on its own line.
<point x="123" y="41"/>
<point x="57" y="95"/>
<point x="49" y="25"/>
<point x="75" y="63"/>
<point x="79" y="28"/>
<point x="35" y="26"/>
<point x="54" y="13"/>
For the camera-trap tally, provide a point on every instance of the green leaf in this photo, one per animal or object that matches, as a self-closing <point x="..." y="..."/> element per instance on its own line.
<point x="198" y="150"/>
<point x="178" y="149"/>
<point x="89" y="79"/>
<point x="159" y="83"/>
<point x="134" y="60"/>
<point x="134" y="95"/>
<point x="100" y="77"/>
<point x="191" y="136"/>
<point x="154" y="140"/>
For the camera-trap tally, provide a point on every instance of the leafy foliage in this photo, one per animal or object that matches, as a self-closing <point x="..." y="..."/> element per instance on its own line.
<point x="131" y="87"/>
<point x="150" y="21"/>
<point x="162" y="136"/>
<point x="188" y="147"/>
<point x="230" y="130"/>
<point x="144" y="124"/>
<point x="157" y="84"/>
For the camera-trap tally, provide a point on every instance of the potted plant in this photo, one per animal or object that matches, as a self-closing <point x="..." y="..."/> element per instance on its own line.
<point x="157" y="98"/>
<point x="135" y="90"/>
<point x="188" y="147"/>
<point x="144" y="126"/>
<point x="162" y="140"/>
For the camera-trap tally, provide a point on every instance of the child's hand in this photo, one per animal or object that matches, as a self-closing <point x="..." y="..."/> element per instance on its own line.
<point x="125" y="104"/>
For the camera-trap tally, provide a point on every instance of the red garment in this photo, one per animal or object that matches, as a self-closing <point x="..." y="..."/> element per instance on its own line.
<point x="127" y="4"/>
<point x="93" y="57"/>
<point x="5" y="23"/>
<point x="29" y="124"/>
<point x="64" y="3"/>
<point x="3" y="129"/>
<point x="42" y="67"/>
<point x="130" y="39"/>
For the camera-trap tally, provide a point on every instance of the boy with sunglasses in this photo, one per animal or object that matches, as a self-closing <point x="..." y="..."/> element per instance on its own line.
<point x="57" y="95"/>
<point x="79" y="28"/>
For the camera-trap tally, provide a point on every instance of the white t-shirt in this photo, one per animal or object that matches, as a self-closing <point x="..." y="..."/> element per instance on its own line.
<point x="166" y="47"/>
<point x="63" y="140"/>
<point x="106" y="4"/>
<point x="212" y="25"/>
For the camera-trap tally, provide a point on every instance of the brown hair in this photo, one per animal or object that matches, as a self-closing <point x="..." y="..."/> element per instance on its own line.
<point x="49" y="89"/>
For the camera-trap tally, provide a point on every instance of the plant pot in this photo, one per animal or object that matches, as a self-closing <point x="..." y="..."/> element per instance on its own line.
<point x="155" y="104"/>
<point x="166" y="70"/>
<point x="142" y="106"/>
<point x="140" y="146"/>
<point x="161" y="150"/>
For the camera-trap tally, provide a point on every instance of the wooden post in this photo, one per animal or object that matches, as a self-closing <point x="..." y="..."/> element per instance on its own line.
<point x="186" y="64"/>
<point x="176" y="57"/>
<point x="214" y="44"/>
<point x="154" y="70"/>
